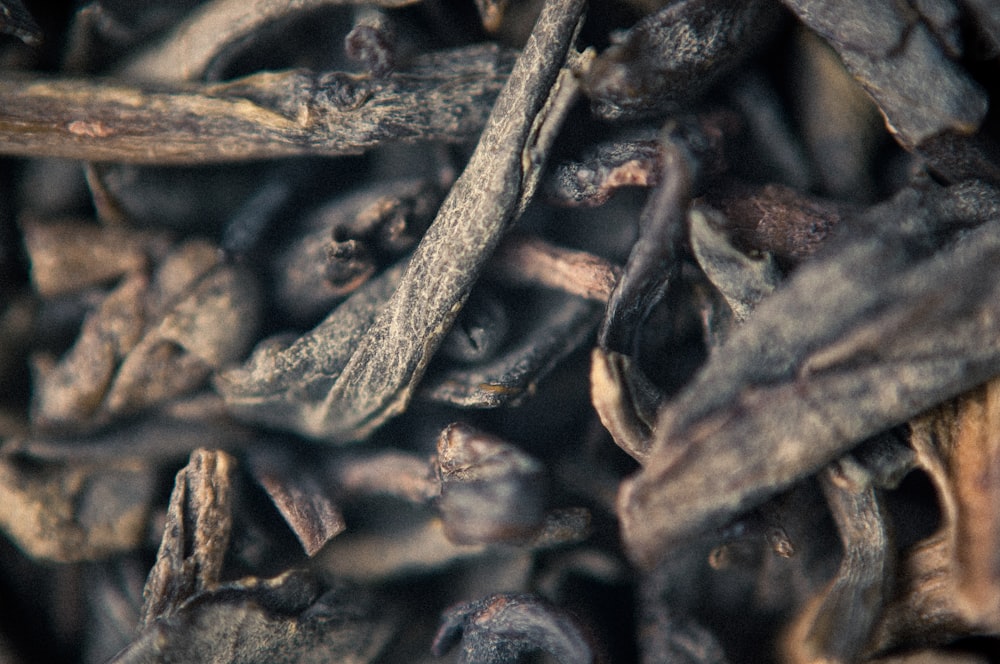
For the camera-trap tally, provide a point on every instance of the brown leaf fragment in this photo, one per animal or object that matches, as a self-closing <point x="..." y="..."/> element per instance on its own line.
<point x="836" y="625"/>
<point x="523" y="259"/>
<point x="562" y="325"/>
<point x="70" y="512"/>
<point x="950" y="584"/>
<point x="924" y="96"/>
<point x="299" y="496"/>
<point x="500" y="628"/>
<point x="490" y="490"/>
<point x="149" y="341"/>
<point x="851" y="345"/>
<point x="72" y="391"/>
<point x="377" y="374"/>
<point x="672" y="56"/>
<point x="592" y="180"/>
<point x="71" y="256"/>
<point x="260" y="621"/>
<point x="386" y="472"/>
<point x="196" y="535"/>
<point x="780" y="220"/>
<point x="741" y="279"/>
<point x="440" y="96"/>
<point x="345" y="241"/>
<point x="201" y="45"/>
<point x="619" y="392"/>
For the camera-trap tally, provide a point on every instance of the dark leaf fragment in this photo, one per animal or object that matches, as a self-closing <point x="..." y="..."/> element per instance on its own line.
<point x="837" y="625"/>
<point x="16" y="20"/>
<point x="261" y="116"/>
<point x="300" y="497"/>
<point x="195" y="537"/>
<point x="592" y="180"/>
<point x="854" y="343"/>
<point x="672" y="56"/>
<point x="501" y="628"/>
<point x="380" y="370"/>
<point x="490" y="490"/>
<point x="259" y="621"/>
<point x="565" y="325"/>
<point x="75" y="511"/>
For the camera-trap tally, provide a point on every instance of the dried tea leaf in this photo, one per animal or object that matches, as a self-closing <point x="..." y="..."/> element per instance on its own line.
<point x="385" y="472"/>
<point x="624" y="400"/>
<point x="859" y="341"/>
<point x="202" y="44"/>
<point x="743" y="281"/>
<point x="258" y="621"/>
<point x="72" y="256"/>
<point x="70" y="512"/>
<point x="837" y="624"/>
<point x="151" y="341"/>
<point x="608" y="167"/>
<point x="348" y="239"/>
<point x="928" y="100"/>
<point x="490" y="490"/>
<point x="299" y="496"/>
<point x="781" y="220"/>
<point x="950" y="585"/>
<point x="195" y="537"/>
<point x="565" y="324"/>
<point x="72" y="391"/>
<point x="382" y="368"/>
<point x="672" y="56"/>
<point x="523" y="259"/>
<point x="499" y="629"/>
<point x="440" y="96"/>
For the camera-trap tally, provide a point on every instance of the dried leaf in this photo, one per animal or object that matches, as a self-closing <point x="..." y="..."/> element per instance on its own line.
<point x="852" y="345"/>
<point x="258" y="621"/>
<point x="69" y="512"/>
<point x="500" y="628"/>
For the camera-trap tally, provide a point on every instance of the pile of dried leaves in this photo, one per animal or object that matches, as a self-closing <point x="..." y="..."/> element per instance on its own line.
<point x="500" y="330"/>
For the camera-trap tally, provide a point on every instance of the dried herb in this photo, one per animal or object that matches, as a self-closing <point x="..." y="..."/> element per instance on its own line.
<point x="662" y="331"/>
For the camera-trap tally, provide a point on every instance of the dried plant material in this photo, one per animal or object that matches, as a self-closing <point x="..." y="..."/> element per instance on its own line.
<point x="837" y="624"/>
<point x="951" y="581"/>
<point x="782" y="221"/>
<point x="490" y="490"/>
<point x="70" y="256"/>
<point x="770" y="128"/>
<point x="150" y="341"/>
<point x="499" y="629"/>
<point x="385" y="365"/>
<point x="841" y="127"/>
<point x="896" y="56"/>
<point x="672" y="56"/>
<point x="523" y="259"/>
<point x="652" y="263"/>
<point x="592" y="180"/>
<point x="845" y="349"/>
<point x="409" y="550"/>
<point x="386" y="472"/>
<point x="668" y="638"/>
<point x="254" y="621"/>
<point x="71" y="512"/>
<point x="17" y="21"/>
<point x="300" y="498"/>
<point x="743" y="281"/>
<point x="263" y="115"/>
<point x="201" y="46"/>
<point x="195" y="537"/>
<point x="170" y="433"/>
<point x="347" y="240"/>
<point x="625" y="401"/>
<point x="563" y="325"/>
